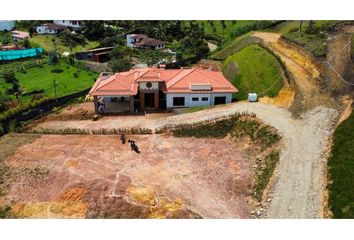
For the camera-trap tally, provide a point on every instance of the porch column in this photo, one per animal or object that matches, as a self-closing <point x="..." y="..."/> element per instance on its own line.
<point x="156" y="98"/>
<point x="95" y="102"/>
<point x="142" y="101"/>
<point x="131" y="99"/>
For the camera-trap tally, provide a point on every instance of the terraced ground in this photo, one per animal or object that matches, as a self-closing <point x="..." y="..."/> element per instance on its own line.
<point x="254" y="69"/>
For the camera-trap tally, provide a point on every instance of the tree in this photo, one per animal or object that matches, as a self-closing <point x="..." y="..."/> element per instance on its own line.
<point x="121" y="65"/>
<point x="94" y="30"/>
<point x="26" y="43"/>
<point x="10" y="77"/>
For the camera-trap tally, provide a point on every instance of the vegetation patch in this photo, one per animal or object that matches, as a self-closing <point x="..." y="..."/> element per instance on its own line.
<point x="257" y="71"/>
<point x="341" y="171"/>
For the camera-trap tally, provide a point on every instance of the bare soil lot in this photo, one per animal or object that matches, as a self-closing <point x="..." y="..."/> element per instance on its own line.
<point x="98" y="177"/>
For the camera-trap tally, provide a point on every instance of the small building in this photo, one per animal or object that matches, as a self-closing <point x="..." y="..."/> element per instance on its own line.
<point x="7" y="25"/>
<point x="19" y="36"/>
<point x="154" y="89"/>
<point x="50" y="28"/>
<point x="95" y="55"/>
<point x="73" y="24"/>
<point x="144" y="42"/>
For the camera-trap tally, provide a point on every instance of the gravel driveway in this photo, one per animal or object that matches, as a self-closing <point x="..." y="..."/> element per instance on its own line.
<point x="299" y="188"/>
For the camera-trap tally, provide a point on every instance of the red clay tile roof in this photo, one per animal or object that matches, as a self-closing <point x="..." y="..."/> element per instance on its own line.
<point x="19" y="34"/>
<point x="149" y="42"/>
<point x="176" y="81"/>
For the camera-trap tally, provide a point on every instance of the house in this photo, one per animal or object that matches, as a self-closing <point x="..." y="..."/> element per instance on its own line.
<point x="49" y="28"/>
<point x="7" y="25"/>
<point x="158" y="88"/>
<point x="73" y="24"/>
<point x="18" y="36"/>
<point x="144" y="42"/>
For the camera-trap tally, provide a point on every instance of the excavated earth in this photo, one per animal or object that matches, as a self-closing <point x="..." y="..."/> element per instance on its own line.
<point x="99" y="177"/>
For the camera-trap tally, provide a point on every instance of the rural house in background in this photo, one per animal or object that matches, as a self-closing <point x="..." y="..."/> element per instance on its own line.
<point x="49" y="28"/>
<point x="144" y="42"/>
<point x="157" y="88"/>
<point x="18" y="36"/>
<point x="73" y="24"/>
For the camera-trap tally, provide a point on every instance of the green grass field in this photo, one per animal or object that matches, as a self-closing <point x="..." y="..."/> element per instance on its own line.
<point x="46" y="42"/>
<point x="230" y="48"/>
<point x="37" y="78"/>
<point x="257" y="71"/>
<point x="341" y="171"/>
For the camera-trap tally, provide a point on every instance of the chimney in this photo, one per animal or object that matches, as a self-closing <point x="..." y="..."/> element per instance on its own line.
<point x="162" y="66"/>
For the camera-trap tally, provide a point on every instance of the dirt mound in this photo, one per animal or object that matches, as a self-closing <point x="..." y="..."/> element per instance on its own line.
<point x="284" y="98"/>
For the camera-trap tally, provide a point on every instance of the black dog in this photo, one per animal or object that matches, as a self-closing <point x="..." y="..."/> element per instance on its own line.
<point x="122" y="138"/>
<point x="133" y="146"/>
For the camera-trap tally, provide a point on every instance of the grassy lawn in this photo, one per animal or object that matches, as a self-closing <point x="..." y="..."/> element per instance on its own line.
<point x="253" y="69"/>
<point x="229" y="49"/>
<point x="38" y="78"/>
<point x="286" y="27"/>
<point x="341" y="171"/>
<point x="46" y="42"/>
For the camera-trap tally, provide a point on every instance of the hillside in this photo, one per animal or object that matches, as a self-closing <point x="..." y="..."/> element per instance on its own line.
<point x="341" y="171"/>
<point x="253" y="69"/>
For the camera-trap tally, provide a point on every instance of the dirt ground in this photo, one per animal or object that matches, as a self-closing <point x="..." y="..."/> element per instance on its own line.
<point x="304" y="70"/>
<point x="98" y="177"/>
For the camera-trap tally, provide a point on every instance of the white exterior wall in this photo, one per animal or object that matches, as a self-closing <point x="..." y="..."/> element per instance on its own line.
<point x="155" y="86"/>
<point x="45" y="30"/>
<point x="188" y="99"/>
<point x="7" y="25"/>
<point x="130" y="40"/>
<point x="67" y="23"/>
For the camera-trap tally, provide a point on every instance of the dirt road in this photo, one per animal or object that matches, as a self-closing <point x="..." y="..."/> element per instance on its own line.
<point x="299" y="188"/>
<point x="303" y="69"/>
<point x="339" y="66"/>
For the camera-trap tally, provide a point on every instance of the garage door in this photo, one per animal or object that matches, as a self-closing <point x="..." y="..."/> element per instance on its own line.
<point x="219" y="100"/>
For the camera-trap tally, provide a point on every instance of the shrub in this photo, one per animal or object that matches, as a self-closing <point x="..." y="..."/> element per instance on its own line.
<point x="265" y="173"/>
<point x="76" y="74"/>
<point x="57" y="70"/>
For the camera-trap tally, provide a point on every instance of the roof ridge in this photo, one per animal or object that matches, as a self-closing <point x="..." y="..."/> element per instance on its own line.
<point x="201" y="72"/>
<point x="193" y="69"/>
<point x="113" y="78"/>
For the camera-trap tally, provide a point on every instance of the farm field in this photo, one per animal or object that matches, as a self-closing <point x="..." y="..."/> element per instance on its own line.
<point x="254" y="69"/>
<point x="40" y="79"/>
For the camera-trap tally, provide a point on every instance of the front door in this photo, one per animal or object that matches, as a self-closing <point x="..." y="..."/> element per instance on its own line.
<point x="149" y="100"/>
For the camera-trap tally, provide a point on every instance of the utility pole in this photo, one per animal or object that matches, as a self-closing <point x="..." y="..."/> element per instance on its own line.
<point x="55" y="84"/>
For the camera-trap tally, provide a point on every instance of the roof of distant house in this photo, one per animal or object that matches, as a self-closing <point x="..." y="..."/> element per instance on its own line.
<point x="176" y="81"/>
<point x="149" y="42"/>
<point x="20" y="34"/>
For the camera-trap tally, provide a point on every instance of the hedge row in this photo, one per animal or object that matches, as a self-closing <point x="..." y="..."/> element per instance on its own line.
<point x="209" y="128"/>
<point x="11" y="113"/>
<point x="102" y="131"/>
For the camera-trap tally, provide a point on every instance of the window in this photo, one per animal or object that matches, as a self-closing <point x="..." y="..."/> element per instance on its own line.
<point x="205" y="99"/>
<point x="148" y="85"/>
<point x="178" y="101"/>
<point x="195" y="99"/>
